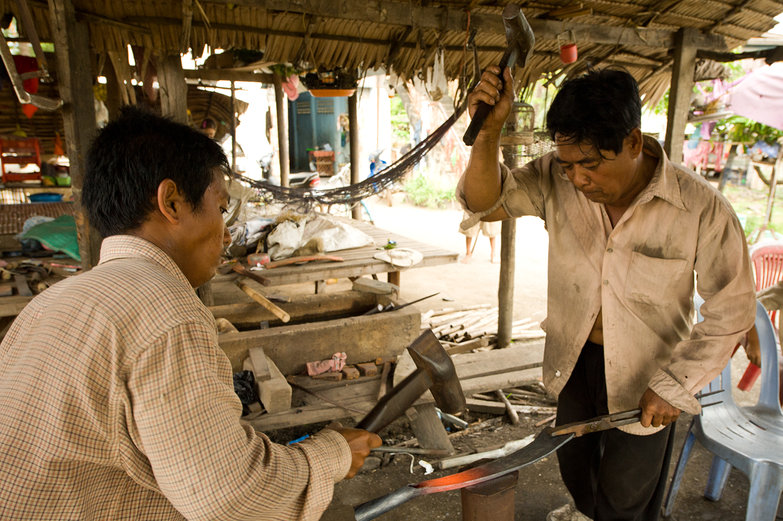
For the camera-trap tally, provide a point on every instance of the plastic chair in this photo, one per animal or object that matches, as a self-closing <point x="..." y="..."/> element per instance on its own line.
<point x="747" y="438"/>
<point x="767" y="260"/>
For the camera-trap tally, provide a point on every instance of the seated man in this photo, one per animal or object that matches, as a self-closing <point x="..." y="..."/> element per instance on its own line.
<point x="115" y="397"/>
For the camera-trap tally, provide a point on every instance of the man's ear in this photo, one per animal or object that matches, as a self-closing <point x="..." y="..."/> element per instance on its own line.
<point x="169" y="201"/>
<point x="635" y="142"/>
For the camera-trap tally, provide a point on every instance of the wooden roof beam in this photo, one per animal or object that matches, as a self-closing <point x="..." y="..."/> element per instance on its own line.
<point x="228" y="75"/>
<point x="454" y="19"/>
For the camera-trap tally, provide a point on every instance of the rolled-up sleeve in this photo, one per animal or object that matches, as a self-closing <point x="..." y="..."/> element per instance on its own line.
<point x="520" y="193"/>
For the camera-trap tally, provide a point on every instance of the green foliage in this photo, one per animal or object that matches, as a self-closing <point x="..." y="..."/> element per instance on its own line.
<point x="424" y="191"/>
<point x="743" y="130"/>
<point x="663" y="106"/>
<point x="399" y="121"/>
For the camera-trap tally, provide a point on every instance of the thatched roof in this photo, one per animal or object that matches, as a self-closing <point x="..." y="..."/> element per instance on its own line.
<point x="404" y="36"/>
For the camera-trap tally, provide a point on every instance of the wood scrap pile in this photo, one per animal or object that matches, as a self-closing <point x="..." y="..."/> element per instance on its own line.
<point x="471" y="327"/>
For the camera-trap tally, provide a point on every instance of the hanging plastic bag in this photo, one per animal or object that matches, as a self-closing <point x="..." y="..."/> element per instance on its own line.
<point x="436" y="82"/>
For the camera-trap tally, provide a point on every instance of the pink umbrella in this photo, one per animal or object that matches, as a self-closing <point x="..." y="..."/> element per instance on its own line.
<point x="759" y="96"/>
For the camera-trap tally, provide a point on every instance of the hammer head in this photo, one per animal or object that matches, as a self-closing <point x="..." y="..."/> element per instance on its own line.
<point x="431" y="358"/>
<point x="519" y="35"/>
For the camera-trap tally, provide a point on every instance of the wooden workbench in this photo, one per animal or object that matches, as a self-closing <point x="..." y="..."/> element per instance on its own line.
<point x="359" y="261"/>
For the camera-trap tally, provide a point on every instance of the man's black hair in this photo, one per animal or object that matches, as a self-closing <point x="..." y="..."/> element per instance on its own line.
<point x="600" y="107"/>
<point x="131" y="156"/>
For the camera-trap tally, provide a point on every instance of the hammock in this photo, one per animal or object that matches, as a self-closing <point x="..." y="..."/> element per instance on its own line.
<point x="353" y="194"/>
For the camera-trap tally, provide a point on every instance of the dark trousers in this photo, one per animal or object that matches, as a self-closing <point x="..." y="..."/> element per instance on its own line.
<point x="611" y="475"/>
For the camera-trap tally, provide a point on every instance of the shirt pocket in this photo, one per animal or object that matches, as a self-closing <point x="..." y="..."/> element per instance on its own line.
<point x="654" y="280"/>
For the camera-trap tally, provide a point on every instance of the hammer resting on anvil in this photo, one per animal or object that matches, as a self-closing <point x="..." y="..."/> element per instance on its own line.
<point x="434" y="372"/>
<point x="521" y="40"/>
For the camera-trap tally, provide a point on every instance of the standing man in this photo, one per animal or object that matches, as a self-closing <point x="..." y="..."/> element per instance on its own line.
<point x="115" y="397"/>
<point x="627" y="230"/>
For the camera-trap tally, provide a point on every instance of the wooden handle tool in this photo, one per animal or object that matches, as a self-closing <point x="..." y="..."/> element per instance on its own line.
<point x="258" y="297"/>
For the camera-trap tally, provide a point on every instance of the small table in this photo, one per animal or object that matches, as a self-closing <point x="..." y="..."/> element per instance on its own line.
<point x="358" y="261"/>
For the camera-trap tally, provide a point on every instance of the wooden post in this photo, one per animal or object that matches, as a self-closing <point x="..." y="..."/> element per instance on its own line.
<point x="680" y="92"/>
<point x="113" y="94"/>
<point x="508" y="233"/>
<point x="353" y="135"/>
<point x="233" y="128"/>
<point x="173" y="89"/>
<point x="282" y="130"/>
<point x="74" y="73"/>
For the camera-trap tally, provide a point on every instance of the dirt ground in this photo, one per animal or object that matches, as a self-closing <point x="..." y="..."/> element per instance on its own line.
<point x="539" y="488"/>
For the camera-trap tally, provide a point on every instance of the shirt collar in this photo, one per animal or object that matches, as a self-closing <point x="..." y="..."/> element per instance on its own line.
<point x="131" y="246"/>
<point x="663" y="184"/>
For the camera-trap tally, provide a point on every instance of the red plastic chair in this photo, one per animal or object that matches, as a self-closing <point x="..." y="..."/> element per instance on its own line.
<point x="767" y="262"/>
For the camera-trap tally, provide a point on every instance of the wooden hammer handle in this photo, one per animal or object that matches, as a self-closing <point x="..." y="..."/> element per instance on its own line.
<point x="258" y="297"/>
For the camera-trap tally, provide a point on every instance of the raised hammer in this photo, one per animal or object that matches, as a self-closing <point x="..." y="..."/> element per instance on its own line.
<point x="434" y="371"/>
<point x="520" y="40"/>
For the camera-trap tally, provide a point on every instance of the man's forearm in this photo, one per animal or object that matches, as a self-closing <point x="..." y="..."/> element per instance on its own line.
<point x="481" y="179"/>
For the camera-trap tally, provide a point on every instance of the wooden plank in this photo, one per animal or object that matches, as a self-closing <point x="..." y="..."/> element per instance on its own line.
<point x="491" y="363"/>
<point x="451" y="19"/>
<point x="22" y="288"/>
<point x="275" y="392"/>
<point x="363" y="388"/>
<point x="305" y="308"/>
<point x="306" y="415"/>
<point x="12" y="306"/>
<point x="258" y="359"/>
<point x="359" y="261"/>
<point x="362" y="338"/>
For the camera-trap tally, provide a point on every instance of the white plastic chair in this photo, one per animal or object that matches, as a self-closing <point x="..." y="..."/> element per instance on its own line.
<point x="747" y="438"/>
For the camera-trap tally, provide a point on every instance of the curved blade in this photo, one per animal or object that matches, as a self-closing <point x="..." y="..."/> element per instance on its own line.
<point x="543" y="445"/>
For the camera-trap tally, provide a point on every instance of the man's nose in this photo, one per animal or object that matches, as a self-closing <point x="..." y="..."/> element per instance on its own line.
<point x="581" y="179"/>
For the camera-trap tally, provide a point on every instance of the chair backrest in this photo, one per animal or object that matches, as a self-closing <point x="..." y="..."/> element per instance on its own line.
<point x="767" y="262"/>
<point x="770" y="380"/>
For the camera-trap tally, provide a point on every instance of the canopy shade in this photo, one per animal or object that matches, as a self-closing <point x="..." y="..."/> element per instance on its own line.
<point x="759" y="96"/>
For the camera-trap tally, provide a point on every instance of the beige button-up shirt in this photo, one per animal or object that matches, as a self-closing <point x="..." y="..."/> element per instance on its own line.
<point x="116" y="402"/>
<point x="640" y="276"/>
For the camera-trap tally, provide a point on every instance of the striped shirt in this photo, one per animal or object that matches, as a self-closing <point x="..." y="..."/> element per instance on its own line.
<point x="117" y="403"/>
